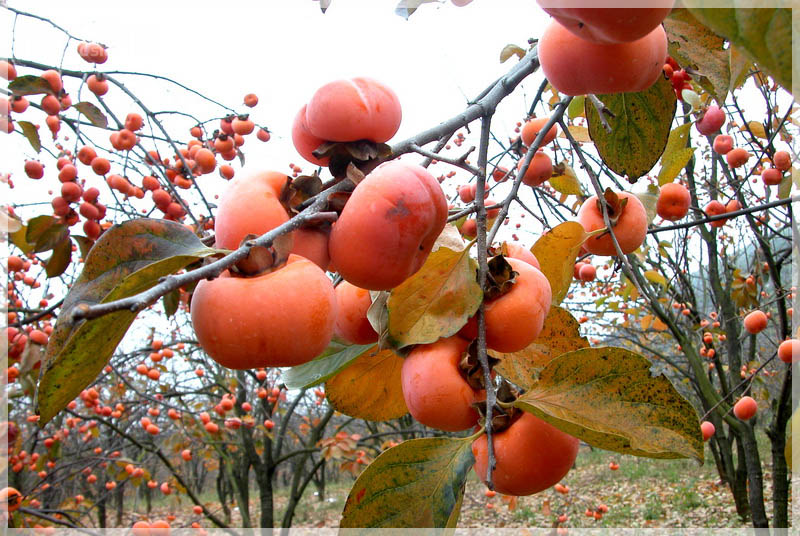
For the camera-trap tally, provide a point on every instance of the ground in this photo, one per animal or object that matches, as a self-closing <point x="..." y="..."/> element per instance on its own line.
<point x="641" y="493"/>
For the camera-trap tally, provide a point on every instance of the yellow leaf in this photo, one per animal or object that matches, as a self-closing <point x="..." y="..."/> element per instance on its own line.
<point x="369" y="388"/>
<point x="608" y="398"/>
<point x="646" y="320"/>
<point x="511" y="50"/>
<point x="581" y="134"/>
<point x="566" y="181"/>
<point x="436" y="301"/>
<point x="560" y="334"/>
<point x="676" y="154"/>
<point x="655" y="277"/>
<point x="658" y="325"/>
<point x="756" y="128"/>
<point x="556" y="251"/>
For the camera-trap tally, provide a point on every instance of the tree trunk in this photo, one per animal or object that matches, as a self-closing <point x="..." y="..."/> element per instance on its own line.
<point x="118" y="499"/>
<point x="755" y="478"/>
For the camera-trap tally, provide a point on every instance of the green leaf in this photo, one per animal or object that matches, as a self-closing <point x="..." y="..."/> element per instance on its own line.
<point x="44" y="232"/>
<point x="60" y="259"/>
<point x="436" y="301"/>
<point x="608" y="398"/>
<point x="92" y="113"/>
<point x="694" y="45"/>
<point x="417" y="484"/>
<point x="127" y="259"/>
<point x="556" y="251"/>
<point x="764" y="34"/>
<point x="575" y="107"/>
<point x="676" y="154"/>
<point x="785" y="187"/>
<point x="29" y="85"/>
<point x="639" y="130"/>
<point x="334" y="359"/>
<point x="649" y="200"/>
<point x="31" y="133"/>
<point x="511" y="50"/>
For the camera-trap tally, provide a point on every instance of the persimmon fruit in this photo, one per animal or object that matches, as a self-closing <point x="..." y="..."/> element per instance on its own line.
<point x="304" y="141"/>
<point x="737" y="157"/>
<point x="313" y="245"/>
<point x="782" y="160"/>
<point x="10" y="499"/>
<point x="249" y="205"/>
<point x="435" y="391"/>
<point x="607" y="25"/>
<point x="351" y="324"/>
<point x="630" y="230"/>
<point x="539" y="171"/>
<point x="755" y="322"/>
<point x="723" y="144"/>
<point x="707" y="429"/>
<point x="575" y="66"/>
<point x="277" y="319"/>
<point x="711" y="121"/>
<point x="516" y="318"/>
<point x="745" y="408"/>
<point x="532" y="128"/>
<point x="789" y="351"/>
<point x="388" y="226"/>
<point x="354" y="109"/>
<point x="531" y="455"/>
<point x="673" y="201"/>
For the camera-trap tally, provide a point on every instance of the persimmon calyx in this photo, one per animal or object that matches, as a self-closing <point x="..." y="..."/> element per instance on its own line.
<point x="263" y="259"/>
<point x="471" y="368"/>
<point x="499" y="279"/>
<point x="615" y="205"/>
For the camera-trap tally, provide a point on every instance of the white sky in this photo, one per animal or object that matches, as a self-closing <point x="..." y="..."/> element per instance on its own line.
<point x="283" y="51"/>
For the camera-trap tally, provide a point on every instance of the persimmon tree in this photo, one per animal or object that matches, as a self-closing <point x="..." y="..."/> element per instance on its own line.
<point x="477" y="334"/>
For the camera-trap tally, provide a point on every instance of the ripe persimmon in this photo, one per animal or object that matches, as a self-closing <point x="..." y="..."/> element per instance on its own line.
<point x="789" y="351"/>
<point x="354" y="109"/>
<point x="711" y="121"/>
<point x="772" y="176"/>
<point x="250" y="205"/>
<point x="518" y="252"/>
<point x="745" y="408"/>
<point x="737" y="157"/>
<point x="532" y="128"/>
<point x="97" y="85"/>
<point x="723" y="144"/>
<point x="755" y="322"/>
<point x="304" y="141"/>
<point x="277" y="319"/>
<point x="608" y="25"/>
<point x="673" y="201"/>
<point x="515" y="319"/>
<point x="531" y="455"/>
<point x="707" y="429"/>
<point x="715" y="208"/>
<point x="435" y="391"/>
<point x="782" y="160"/>
<point x="10" y="499"/>
<point x="630" y="230"/>
<point x="576" y="67"/>
<point x="313" y="245"/>
<point x="351" y="324"/>
<point x="250" y="100"/>
<point x="388" y="226"/>
<point x="539" y="171"/>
